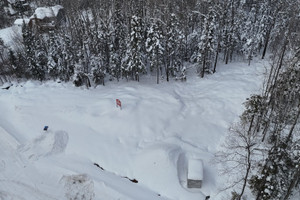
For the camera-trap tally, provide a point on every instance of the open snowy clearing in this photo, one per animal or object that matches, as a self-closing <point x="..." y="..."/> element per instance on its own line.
<point x="93" y="149"/>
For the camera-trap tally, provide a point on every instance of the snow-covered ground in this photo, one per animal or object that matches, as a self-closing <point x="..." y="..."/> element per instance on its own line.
<point x="92" y="148"/>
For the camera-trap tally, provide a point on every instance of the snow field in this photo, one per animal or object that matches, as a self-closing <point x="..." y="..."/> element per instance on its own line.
<point x="151" y="139"/>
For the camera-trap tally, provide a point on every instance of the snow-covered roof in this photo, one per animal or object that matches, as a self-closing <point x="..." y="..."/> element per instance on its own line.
<point x="195" y="169"/>
<point x="20" y="21"/>
<point x="49" y="12"/>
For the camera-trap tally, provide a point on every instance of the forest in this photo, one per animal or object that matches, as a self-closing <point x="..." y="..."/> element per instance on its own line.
<point x="110" y="40"/>
<point x="103" y="40"/>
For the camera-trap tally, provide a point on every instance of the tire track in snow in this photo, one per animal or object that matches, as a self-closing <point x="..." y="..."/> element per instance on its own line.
<point x="183" y="106"/>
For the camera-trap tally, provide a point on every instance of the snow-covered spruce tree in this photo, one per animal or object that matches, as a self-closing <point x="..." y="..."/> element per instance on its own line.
<point x="98" y="70"/>
<point x="269" y="11"/>
<point x="251" y="34"/>
<point x="206" y="44"/>
<point x="60" y="56"/>
<point x="13" y="62"/>
<point x="2" y="46"/>
<point x="118" y="41"/>
<point x="132" y="64"/>
<point x="34" y="53"/>
<point x="54" y="55"/>
<point x="174" y="39"/>
<point x="40" y="69"/>
<point x="154" y="48"/>
<point x="219" y="14"/>
<point x="106" y="42"/>
<point x="67" y="58"/>
<point x="231" y="24"/>
<point x="280" y="173"/>
<point x="82" y="65"/>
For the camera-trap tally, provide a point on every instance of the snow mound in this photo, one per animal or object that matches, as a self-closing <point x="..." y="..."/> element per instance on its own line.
<point x="47" y="144"/>
<point x="78" y="187"/>
<point x="164" y="160"/>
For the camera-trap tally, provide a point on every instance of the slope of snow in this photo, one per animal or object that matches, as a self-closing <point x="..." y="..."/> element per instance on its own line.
<point x="93" y="149"/>
<point x="11" y="36"/>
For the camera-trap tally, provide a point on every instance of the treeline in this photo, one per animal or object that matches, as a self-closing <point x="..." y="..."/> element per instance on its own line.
<point x="116" y="39"/>
<point x="264" y="146"/>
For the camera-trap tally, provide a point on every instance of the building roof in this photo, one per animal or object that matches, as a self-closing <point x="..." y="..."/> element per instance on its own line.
<point x="195" y="169"/>
<point x="43" y="12"/>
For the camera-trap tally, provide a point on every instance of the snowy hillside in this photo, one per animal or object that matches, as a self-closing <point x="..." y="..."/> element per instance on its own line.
<point x="92" y="148"/>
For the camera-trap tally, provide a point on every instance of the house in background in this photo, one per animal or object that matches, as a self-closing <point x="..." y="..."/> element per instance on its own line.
<point x="47" y="18"/>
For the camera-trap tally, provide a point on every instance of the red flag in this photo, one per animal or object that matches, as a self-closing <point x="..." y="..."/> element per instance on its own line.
<point x="118" y="103"/>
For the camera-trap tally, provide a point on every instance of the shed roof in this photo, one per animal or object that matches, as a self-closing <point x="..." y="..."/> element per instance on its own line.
<point x="195" y="169"/>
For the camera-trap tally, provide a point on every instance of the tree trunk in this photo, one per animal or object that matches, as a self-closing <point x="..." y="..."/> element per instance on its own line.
<point x="203" y="66"/>
<point x="292" y="185"/>
<point x="216" y="58"/>
<point x="293" y="126"/>
<point x="227" y="56"/>
<point x="157" y="71"/>
<point x="266" y="44"/>
<point x="247" y="172"/>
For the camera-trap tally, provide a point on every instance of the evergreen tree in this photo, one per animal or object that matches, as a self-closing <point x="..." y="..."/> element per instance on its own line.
<point x="251" y="34"/>
<point x="29" y="46"/>
<point x="132" y="63"/>
<point x="39" y="68"/>
<point x="206" y="44"/>
<point x="98" y="71"/>
<point x="54" y="55"/>
<point x="118" y="42"/>
<point x="68" y="63"/>
<point x="174" y="40"/>
<point x="154" y="48"/>
<point x="231" y="24"/>
<point x="2" y="47"/>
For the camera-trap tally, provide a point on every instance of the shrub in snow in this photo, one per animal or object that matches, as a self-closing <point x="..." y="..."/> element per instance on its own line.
<point x="82" y="79"/>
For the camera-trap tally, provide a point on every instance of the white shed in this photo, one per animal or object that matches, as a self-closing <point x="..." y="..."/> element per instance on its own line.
<point x="195" y="173"/>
